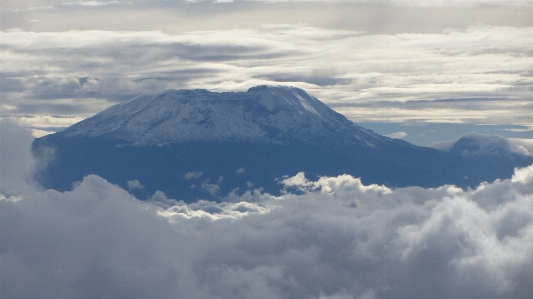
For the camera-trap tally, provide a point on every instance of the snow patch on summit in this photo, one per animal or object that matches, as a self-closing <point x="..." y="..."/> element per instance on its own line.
<point x="263" y="114"/>
<point x="474" y="144"/>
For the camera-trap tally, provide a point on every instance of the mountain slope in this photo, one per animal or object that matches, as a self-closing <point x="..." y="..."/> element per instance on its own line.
<point x="194" y="144"/>
<point x="264" y="114"/>
<point x="477" y="145"/>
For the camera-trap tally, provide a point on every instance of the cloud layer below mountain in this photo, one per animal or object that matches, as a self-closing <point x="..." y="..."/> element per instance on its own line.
<point x="329" y="238"/>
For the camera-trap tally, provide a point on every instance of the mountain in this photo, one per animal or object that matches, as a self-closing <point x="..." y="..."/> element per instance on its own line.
<point x="479" y="145"/>
<point x="193" y="144"/>
<point x="262" y="115"/>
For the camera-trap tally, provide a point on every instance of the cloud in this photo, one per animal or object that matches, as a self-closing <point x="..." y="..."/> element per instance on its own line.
<point x="456" y="3"/>
<point x="523" y="145"/>
<point x="397" y="135"/>
<point x="211" y="210"/>
<point x="445" y="145"/>
<point x="16" y="161"/>
<point x="93" y="3"/>
<point x="134" y="184"/>
<point x="210" y="188"/>
<point x="478" y="74"/>
<point x="524" y="175"/>
<point x="193" y="175"/>
<point x="335" y="238"/>
<point x="424" y="3"/>
<point x="431" y="3"/>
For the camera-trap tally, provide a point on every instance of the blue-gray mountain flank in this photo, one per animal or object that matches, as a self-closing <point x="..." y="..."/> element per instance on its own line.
<point x="265" y="133"/>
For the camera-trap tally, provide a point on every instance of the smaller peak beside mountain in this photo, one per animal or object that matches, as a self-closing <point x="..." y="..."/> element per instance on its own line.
<point x="263" y="114"/>
<point x="479" y="145"/>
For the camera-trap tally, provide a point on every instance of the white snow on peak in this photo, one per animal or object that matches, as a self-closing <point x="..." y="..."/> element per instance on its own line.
<point x="297" y="98"/>
<point x="263" y="114"/>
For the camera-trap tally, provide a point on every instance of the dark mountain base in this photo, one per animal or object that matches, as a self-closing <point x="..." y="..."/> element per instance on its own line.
<point x="165" y="168"/>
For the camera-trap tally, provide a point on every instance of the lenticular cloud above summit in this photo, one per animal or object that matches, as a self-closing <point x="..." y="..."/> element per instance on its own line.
<point x="332" y="237"/>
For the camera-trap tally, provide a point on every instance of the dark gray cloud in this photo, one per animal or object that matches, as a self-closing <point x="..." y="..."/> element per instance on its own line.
<point x="337" y="239"/>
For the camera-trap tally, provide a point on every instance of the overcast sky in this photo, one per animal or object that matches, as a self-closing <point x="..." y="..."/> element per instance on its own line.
<point x="404" y="62"/>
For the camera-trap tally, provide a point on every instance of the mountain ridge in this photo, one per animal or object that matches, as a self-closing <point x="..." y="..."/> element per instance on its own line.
<point x="263" y="114"/>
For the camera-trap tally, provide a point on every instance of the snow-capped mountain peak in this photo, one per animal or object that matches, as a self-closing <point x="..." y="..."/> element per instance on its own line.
<point x="244" y="140"/>
<point x="263" y="114"/>
<point x="297" y="98"/>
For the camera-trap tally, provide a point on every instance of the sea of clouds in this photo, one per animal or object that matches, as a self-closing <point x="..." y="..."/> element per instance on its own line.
<point x="329" y="238"/>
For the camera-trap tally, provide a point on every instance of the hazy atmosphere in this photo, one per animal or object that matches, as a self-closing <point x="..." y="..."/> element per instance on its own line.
<point x="427" y="72"/>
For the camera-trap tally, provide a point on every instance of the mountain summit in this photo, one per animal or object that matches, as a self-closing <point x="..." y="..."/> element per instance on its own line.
<point x="263" y="114"/>
<point x="197" y="144"/>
